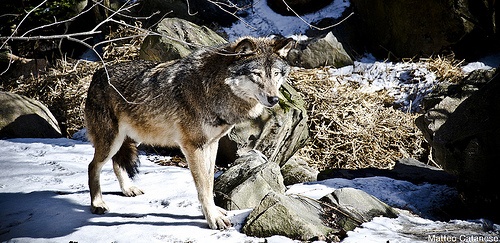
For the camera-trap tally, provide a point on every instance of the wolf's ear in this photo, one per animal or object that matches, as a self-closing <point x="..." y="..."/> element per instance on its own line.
<point x="245" y="47"/>
<point x="282" y="46"/>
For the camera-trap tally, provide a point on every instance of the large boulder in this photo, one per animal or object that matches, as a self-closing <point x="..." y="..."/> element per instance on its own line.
<point x="307" y="219"/>
<point x="407" y="28"/>
<point x="245" y="183"/>
<point x="352" y="207"/>
<point x="22" y="117"/>
<point x="318" y="52"/>
<point x="278" y="133"/>
<point x="465" y="140"/>
<point x="297" y="218"/>
<point x="179" y="38"/>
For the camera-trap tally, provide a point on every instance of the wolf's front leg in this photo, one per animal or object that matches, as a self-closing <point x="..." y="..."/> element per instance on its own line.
<point x="201" y="162"/>
<point x="97" y="205"/>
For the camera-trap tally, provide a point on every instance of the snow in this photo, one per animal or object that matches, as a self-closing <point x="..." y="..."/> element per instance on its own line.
<point x="263" y="21"/>
<point x="44" y="197"/>
<point x="475" y="66"/>
<point x="407" y="82"/>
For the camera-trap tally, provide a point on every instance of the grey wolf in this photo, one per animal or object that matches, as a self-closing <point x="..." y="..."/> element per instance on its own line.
<point x="190" y="103"/>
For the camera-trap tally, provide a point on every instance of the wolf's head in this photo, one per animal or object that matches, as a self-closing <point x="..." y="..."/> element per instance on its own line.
<point x="259" y="69"/>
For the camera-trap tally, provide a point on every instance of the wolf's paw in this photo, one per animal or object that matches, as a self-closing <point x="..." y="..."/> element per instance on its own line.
<point x="218" y="220"/>
<point x="98" y="208"/>
<point x="132" y="191"/>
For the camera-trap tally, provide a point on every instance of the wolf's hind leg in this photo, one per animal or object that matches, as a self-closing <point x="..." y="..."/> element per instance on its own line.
<point x="125" y="163"/>
<point x="104" y="150"/>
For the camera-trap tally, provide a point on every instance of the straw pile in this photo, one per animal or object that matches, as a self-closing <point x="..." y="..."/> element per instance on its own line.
<point x="350" y="129"/>
<point x="446" y="68"/>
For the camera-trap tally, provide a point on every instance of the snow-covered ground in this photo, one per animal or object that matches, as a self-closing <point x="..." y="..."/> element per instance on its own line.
<point x="44" y="197"/>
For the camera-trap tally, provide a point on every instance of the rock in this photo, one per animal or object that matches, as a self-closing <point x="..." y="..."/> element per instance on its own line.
<point x="407" y="28"/>
<point x="416" y="172"/>
<point x="352" y="207"/>
<point x="246" y="183"/>
<point x="22" y="117"/>
<point x="299" y="6"/>
<point x="296" y="170"/>
<point x="434" y="118"/>
<point x="461" y="90"/>
<point x="181" y="38"/>
<point x="297" y="218"/>
<point x="446" y="97"/>
<point x="318" y="52"/>
<point x="465" y="143"/>
<point x="406" y="169"/>
<point x="279" y="132"/>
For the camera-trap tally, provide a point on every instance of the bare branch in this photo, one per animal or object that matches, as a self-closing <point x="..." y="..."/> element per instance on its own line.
<point x="49" y="37"/>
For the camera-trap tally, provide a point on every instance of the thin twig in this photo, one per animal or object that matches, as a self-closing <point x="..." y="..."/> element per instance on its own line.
<point x="189" y="9"/>
<point x="218" y="4"/>
<point x="313" y="26"/>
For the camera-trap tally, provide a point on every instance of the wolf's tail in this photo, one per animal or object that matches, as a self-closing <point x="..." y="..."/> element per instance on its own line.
<point x="127" y="157"/>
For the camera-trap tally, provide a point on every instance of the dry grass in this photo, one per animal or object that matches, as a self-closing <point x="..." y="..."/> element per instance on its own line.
<point x="350" y="129"/>
<point x="126" y="43"/>
<point x="446" y="68"/>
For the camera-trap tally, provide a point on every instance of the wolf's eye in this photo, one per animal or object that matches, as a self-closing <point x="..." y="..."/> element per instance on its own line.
<point x="276" y="73"/>
<point x="257" y="73"/>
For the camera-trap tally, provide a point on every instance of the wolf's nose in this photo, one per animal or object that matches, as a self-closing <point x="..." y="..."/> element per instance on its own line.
<point x="273" y="100"/>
